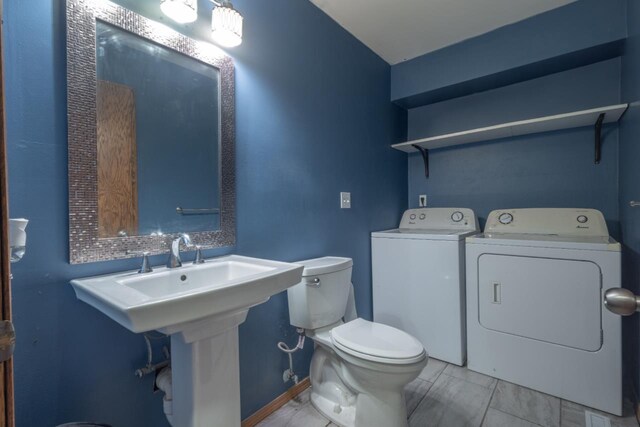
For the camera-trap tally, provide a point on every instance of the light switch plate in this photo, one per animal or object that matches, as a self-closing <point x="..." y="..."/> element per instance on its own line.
<point x="345" y="200"/>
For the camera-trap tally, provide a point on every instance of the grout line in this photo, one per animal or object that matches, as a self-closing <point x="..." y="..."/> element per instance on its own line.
<point x="422" y="398"/>
<point x="428" y="391"/>
<point x="515" y="416"/>
<point x="472" y="382"/>
<point x="439" y="373"/>
<point x="493" y="392"/>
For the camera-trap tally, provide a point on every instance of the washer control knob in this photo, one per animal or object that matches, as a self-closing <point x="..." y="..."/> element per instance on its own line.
<point x="457" y="216"/>
<point x="422" y="216"/>
<point x="412" y="216"/>
<point x="505" y="218"/>
<point x="582" y="219"/>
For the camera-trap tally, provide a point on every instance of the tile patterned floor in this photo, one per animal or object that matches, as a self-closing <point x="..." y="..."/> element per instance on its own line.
<point x="449" y="396"/>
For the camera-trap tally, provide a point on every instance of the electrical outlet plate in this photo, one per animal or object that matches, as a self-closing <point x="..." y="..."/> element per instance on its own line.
<point x="596" y="420"/>
<point x="345" y="200"/>
<point x="422" y="200"/>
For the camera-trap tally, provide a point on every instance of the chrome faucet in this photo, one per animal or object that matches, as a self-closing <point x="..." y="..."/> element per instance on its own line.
<point x="145" y="267"/>
<point x="174" y="256"/>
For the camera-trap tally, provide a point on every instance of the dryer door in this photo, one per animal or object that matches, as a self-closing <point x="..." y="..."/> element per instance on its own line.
<point x="551" y="300"/>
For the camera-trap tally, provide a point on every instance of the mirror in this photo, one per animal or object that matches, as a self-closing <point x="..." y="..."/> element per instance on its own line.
<point x="157" y="122"/>
<point x="151" y="135"/>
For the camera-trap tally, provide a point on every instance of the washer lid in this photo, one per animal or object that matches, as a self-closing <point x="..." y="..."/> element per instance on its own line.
<point x="380" y="341"/>
<point x="427" y="234"/>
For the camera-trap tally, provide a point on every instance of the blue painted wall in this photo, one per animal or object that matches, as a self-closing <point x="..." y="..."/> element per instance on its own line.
<point x="541" y="170"/>
<point x="630" y="178"/>
<point x="580" y="33"/>
<point x="313" y="119"/>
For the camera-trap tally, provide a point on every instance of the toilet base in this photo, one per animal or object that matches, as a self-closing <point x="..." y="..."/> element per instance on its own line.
<point x="355" y="405"/>
<point x="343" y="416"/>
<point x="367" y="407"/>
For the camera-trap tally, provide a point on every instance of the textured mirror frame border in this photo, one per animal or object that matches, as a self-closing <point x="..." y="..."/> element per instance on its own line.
<point x="84" y="243"/>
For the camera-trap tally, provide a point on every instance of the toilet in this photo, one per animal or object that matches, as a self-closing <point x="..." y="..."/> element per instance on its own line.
<point x="359" y="368"/>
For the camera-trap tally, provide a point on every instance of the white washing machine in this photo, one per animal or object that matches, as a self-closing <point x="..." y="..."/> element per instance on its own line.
<point x="418" y="278"/>
<point x="535" y="286"/>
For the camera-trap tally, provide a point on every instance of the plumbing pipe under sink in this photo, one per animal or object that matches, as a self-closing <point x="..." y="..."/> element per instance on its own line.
<point x="164" y="383"/>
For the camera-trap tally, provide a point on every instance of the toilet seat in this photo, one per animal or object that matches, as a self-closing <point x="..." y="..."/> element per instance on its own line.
<point x="377" y="343"/>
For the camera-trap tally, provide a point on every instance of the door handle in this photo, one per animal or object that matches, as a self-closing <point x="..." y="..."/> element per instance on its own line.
<point x="621" y="301"/>
<point x="7" y="340"/>
<point x="497" y="293"/>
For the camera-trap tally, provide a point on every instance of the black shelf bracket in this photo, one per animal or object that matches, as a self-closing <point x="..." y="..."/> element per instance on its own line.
<point x="425" y="158"/>
<point x="598" y="137"/>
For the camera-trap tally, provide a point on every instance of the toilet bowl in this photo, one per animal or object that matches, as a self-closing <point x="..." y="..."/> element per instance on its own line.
<point x="359" y="368"/>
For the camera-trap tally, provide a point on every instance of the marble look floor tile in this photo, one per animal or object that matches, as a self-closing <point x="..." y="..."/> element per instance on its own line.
<point x="471" y="376"/>
<point x="459" y="398"/>
<point x="290" y="408"/>
<point x="530" y="405"/>
<point x="414" y="392"/>
<point x="495" y="418"/>
<point x="433" y="369"/>
<point x="303" y="416"/>
<point x="452" y="402"/>
<point x="572" y="415"/>
<point x="298" y="412"/>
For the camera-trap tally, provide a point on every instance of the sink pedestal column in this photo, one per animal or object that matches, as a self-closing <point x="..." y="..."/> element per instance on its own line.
<point x="205" y="372"/>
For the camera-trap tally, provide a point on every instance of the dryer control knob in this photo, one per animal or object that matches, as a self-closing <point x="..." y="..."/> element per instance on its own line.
<point x="422" y="216"/>
<point x="412" y="216"/>
<point x="582" y="219"/>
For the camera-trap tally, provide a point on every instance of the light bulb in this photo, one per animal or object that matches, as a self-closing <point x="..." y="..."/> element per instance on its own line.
<point x="181" y="11"/>
<point x="226" y="25"/>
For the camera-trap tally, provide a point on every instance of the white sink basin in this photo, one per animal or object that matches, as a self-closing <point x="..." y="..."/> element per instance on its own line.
<point x="168" y="297"/>
<point x="200" y="307"/>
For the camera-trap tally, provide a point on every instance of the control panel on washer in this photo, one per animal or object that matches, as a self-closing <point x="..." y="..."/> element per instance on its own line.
<point x="439" y="218"/>
<point x="548" y="221"/>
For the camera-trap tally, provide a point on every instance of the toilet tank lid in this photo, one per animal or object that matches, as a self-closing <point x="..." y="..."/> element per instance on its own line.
<point x="324" y="265"/>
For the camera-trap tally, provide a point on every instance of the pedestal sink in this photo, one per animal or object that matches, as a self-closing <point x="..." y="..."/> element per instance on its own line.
<point x="200" y="307"/>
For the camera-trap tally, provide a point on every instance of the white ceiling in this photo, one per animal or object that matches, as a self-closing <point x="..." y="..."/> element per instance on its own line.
<point x="399" y="30"/>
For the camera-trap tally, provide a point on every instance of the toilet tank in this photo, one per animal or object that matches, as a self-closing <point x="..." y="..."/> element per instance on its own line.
<point x="320" y="299"/>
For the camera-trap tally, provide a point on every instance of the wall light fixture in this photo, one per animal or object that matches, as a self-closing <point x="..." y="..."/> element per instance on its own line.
<point x="181" y="11"/>
<point x="226" y="24"/>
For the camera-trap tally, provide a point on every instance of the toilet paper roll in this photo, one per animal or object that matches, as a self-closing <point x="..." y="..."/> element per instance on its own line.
<point x="17" y="232"/>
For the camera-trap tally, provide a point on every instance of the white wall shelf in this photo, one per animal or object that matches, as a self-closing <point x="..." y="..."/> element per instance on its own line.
<point x="523" y="127"/>
<point x="593" y="117"/>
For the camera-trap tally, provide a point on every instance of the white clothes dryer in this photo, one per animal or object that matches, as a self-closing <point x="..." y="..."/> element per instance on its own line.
<point x="535" y="285"/>
<point x="418" y="278"/>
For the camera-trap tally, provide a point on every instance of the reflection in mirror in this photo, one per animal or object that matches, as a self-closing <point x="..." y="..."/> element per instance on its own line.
<point x="151" y="120"/>
<point x="158" y="115"/>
